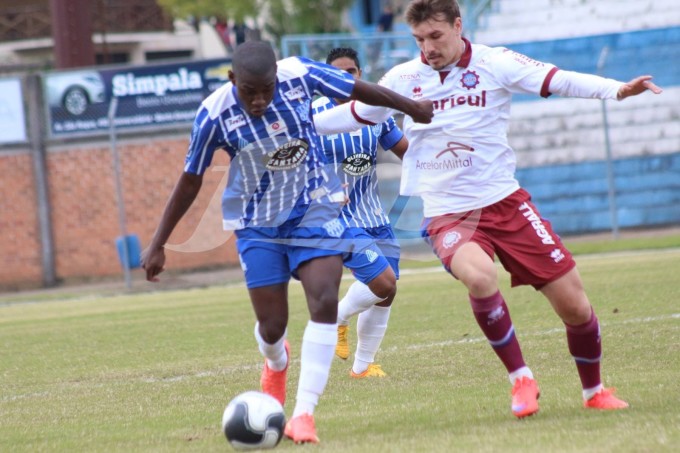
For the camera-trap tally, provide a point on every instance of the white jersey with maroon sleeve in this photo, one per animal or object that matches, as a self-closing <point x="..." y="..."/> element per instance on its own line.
<point x="462" y="160"/>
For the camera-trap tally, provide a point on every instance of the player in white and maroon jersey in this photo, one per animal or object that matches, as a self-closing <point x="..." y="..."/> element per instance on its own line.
<point x="282" y="202"/>
<point x="463" y="168"/>
<point x="375" y="261"/>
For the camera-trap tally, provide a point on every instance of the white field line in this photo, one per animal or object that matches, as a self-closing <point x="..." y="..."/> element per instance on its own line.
<point x="258" y="365"/>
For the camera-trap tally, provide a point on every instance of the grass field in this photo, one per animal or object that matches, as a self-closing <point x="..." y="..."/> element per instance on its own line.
<point x="154" y="371"/>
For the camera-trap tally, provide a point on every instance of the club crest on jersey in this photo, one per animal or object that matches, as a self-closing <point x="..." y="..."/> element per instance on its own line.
<point x="235" y="122"/>
<point x="288" y="156"/>
<point x="376" y="129"/>
<point x="357" y="164"/>
<point x="303" y="110"/>
<point x="469" y="80"/>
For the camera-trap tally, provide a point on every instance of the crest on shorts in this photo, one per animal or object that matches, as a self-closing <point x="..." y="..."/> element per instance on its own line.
<point x="469" y="79"/>
<point x="334" y="228"/>
<point x="451" y="239"/>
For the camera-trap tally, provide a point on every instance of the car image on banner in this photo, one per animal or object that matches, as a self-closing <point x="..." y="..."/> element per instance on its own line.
<point x="75" y="91"/>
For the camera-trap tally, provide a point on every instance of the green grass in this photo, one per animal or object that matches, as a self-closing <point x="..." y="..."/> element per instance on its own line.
<point x="153" y="372"/>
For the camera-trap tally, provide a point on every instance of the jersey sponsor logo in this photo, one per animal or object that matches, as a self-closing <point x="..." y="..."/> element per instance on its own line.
<point x="476" y="100"/>
<point x="334" y="228"/>
<point x="371" y="255"/>
<point x="524" y="60"/>
<point x="295" y="93"/>
<point x="288" y="156"/>
<point x="235" y="122"/>
<point x="536" y="223"/>
<point x="303" y="110"/>
<point x="452" y="147"/>
<point x="469" y="79"/>
<point x="409" y="77"/>
<point x="276" y="127"/>
<point x="417" y="92"/>
<point x="357" y="164"/>
<point x="450" y="239"/>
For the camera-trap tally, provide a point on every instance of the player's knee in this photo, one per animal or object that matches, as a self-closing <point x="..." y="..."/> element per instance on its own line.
<point x="384" y="285"/>
<point x="480" y="281"/>
<point x="272" y="329"/>
<point x="323" y="307"/>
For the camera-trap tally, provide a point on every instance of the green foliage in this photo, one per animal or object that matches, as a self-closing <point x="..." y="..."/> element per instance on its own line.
<point x="234" y="9"/>
<point x="282" y="16"/>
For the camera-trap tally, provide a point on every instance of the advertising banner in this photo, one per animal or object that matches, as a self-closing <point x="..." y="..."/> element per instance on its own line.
<point x="12" y="115"/>
<point x="77" y="102"/>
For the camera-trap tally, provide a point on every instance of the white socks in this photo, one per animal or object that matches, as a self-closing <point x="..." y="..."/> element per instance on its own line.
<point x="519" y="373"/>
<point x="371" y="328"/>
<point x="589" y="393"/>
<point x="316" y="356"/>
<point x="359" y="298"/>
<point x="275" y="354"/>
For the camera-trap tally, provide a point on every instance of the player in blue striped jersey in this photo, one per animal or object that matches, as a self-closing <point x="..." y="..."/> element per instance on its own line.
<point x="282" y="203"/>
<point x="376" y="264"/>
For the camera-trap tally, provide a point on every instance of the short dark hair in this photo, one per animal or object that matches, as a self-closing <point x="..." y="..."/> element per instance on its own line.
<point x="419" y="11"/>
<point x="343" y="52"/>
<point x="254" y="57"/>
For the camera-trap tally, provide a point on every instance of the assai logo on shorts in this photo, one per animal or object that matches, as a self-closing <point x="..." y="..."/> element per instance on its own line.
<point x="451" y="239"/>
<point x="371" y="255"/>
<point x="357" y="164"/>
<point x="288" y="156"/>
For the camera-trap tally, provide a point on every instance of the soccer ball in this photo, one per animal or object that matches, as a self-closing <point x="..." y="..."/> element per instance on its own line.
<point x="253" y="420"/>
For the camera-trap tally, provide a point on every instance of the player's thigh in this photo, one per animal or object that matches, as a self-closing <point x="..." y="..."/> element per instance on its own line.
<point x="366" y="260"/>
<point x="270" y="304"/>
<point x="320" y="278"/>
<point x="568" y="298"/>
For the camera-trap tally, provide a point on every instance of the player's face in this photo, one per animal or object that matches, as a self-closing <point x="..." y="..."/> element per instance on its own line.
<point x="439" y="41"/>
<point x="255" y="92"/>
<point x="347" y="64"/>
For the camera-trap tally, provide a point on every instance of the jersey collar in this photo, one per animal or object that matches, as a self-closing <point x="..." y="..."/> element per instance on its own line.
<point x="464" y="60"/>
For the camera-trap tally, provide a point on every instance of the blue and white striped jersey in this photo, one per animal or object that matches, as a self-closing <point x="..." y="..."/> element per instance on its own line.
<point x="277" y="163"/>
<point x="354" y="156"/>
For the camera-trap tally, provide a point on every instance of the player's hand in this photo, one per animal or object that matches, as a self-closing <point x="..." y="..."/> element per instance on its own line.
<point x="423" y="111"/>
<point x="153" y="262"/>
<point x="637" y="86"/>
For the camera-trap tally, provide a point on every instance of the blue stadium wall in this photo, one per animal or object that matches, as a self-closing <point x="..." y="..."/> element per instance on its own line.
<point x="574" y="197"/>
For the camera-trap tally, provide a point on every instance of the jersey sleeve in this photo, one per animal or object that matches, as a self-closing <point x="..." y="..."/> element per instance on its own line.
<point x="518" y="73"/>
<point x="206" y="137"/>
<point x="326" y="80"/>
<point x="391" y="134"/>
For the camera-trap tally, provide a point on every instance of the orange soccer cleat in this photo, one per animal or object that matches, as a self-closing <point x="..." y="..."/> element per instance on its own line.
<point x="525" y="395"/>
<point x="274" y="382"/>
<point x="301" y="429"/>
<point x="373" y="370"/>
<point x="605" y="400"/>
<point x="342" y="348"/>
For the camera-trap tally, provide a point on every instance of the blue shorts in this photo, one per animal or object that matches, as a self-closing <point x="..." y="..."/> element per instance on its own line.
<point x="271" y="255"/>
<point x="375" y="249"/>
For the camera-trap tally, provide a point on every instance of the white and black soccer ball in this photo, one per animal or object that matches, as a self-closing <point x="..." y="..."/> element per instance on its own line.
<point x="253" y="420"/>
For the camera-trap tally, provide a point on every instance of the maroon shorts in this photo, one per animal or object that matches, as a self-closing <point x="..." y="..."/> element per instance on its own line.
<point x="513" y="230"/>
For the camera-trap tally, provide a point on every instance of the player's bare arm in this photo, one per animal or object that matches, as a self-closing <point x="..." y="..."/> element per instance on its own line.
<point x="636" y="86"/>
<point x="374" y="94"/>
<point x="400" y="148"/>
<point x="183" y="195"/>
